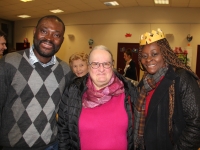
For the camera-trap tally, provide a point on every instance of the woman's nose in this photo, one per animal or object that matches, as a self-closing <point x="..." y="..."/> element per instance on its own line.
<point x="149" y="58"/>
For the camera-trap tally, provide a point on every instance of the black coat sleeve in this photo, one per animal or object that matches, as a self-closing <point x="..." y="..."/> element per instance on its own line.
<point x="63" y="131"/>
<point x="190" y="98"/>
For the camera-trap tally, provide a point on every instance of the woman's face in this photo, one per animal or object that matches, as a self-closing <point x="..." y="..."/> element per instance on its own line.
<point x="79" y="67"/>
<point x="100" y="76"/>
<point x="152" y="58"/>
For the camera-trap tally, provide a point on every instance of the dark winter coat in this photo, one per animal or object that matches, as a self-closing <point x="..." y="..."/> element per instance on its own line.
<point x="186" y="117"/>
<point x="70" y="109"/>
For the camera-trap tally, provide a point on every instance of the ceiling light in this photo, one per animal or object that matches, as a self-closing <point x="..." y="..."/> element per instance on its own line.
<point x="113" y="3"/>
<point x="26" y="0"/>
<point x="161" y="1"/>
<point x="56" y="11"/>
<point x="24" y="16"/>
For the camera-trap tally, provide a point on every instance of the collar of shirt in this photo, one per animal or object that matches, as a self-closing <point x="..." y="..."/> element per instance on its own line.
<point x="33" y="59"/>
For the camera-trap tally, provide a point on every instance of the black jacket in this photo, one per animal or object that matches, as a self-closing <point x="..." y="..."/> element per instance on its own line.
<point x="70" y="109"/>
<point x="186" y="116"/>
<point x="131" y="71"/>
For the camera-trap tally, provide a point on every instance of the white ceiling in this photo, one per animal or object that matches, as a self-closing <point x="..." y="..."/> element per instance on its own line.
<point x="10" y="9"/>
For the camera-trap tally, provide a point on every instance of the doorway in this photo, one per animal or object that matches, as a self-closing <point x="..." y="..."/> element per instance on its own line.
<point x="198" y="61"/>
<point x="120" y="56"/>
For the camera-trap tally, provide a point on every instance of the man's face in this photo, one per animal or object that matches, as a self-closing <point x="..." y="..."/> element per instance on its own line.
<point x="2" y="45"/>
<point x="48" y="38"/>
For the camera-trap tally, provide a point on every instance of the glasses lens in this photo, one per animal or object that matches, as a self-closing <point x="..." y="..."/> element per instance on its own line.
<point x="107" y="65"/>
<point x="96" y="65"/>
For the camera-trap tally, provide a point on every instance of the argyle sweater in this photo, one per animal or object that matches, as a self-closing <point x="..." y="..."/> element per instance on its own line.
<point x="29" y="99"/>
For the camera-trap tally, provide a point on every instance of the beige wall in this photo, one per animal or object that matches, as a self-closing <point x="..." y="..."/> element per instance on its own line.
<point x="108" y="27"/>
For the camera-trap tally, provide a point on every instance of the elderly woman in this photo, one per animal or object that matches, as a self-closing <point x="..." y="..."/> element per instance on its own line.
<point x="79" y="63"/>
<point x="167" y="112"/>
<point x="96" y="110"/>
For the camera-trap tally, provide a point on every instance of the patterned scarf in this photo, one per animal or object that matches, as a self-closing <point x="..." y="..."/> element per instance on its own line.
<point x="93" y="97"/>
<point x="149" y="84"/>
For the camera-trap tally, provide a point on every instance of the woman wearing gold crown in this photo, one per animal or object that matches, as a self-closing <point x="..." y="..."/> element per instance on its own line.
<point x="167" y="112"/>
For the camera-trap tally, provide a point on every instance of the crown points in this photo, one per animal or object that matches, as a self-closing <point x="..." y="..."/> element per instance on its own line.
<point x="148" y="37"/>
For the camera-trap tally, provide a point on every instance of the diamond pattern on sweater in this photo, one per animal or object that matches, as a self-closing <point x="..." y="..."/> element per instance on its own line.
<point x="46" y="133"/>
<point x="33" y="109"/>
<point x="35" y="80"/>
<point x="18" y="109"/>
<point x="18" y="82"/>
<point x="51" y="83"/>
<point x="40" y="126"/>
<point x="30" y="140"/>
<point x="49" y="108"/>
<point x="42" y="95"/>
<point x="14" y="135"/>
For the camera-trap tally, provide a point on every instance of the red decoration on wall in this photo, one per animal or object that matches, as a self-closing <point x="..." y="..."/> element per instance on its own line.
<point x="128" y="35"/>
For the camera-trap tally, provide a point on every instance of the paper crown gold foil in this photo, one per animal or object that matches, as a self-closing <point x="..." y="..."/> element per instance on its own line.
<point x="148" y="37"/>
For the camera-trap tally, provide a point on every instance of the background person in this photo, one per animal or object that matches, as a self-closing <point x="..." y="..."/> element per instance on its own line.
<point x="31" y="85"/>
<point x="167" y="113"/>
<point x="130" y="68"/>
<point x="79" y="63"/>
<point x="95" y="111"/>
<point x="2" y="42"/>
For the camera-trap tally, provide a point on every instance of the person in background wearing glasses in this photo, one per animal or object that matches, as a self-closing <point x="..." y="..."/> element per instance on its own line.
<point x="96" y="110"/>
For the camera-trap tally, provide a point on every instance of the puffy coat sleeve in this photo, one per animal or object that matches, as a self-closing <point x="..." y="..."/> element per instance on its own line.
<point x="63" y="131"/>
<point x="190" y="96"/>
<point x="68" y="115"/>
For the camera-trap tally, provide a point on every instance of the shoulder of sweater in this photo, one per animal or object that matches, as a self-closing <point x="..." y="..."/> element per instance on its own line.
<point x="14" y="55"/>
<point x="64" y="65"/>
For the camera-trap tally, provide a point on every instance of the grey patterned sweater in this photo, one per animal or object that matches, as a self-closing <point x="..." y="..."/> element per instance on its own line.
<point x="29" y="99"/>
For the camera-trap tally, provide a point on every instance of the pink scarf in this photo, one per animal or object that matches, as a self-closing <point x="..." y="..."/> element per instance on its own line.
<point x="93" y="97"/>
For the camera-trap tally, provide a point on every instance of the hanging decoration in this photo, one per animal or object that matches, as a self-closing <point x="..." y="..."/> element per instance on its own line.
<point x="128" y="35"/>
<point x="189" y="39"/>
<point x="90" y="42"/>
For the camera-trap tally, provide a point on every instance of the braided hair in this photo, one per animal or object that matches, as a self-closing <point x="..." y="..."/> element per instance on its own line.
<point x="169" y="57"/>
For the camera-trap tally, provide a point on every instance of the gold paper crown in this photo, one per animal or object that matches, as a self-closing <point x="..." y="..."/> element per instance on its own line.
<point x="148" y="37"/>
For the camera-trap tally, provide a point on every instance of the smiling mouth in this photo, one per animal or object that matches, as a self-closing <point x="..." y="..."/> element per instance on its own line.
<point x="46" y="45"/>
<point x="150" y="66"/>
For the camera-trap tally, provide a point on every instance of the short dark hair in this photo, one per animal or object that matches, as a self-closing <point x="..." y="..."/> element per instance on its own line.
<point x="51" y="16"/>
<point x="3" y="34"/>
<point x="128" y="52"/>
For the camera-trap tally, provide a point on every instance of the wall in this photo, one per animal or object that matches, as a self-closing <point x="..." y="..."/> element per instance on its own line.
<point x="108" y="27"/>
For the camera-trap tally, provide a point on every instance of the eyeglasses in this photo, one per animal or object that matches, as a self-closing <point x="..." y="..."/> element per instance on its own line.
<point x="96" y="65"/>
